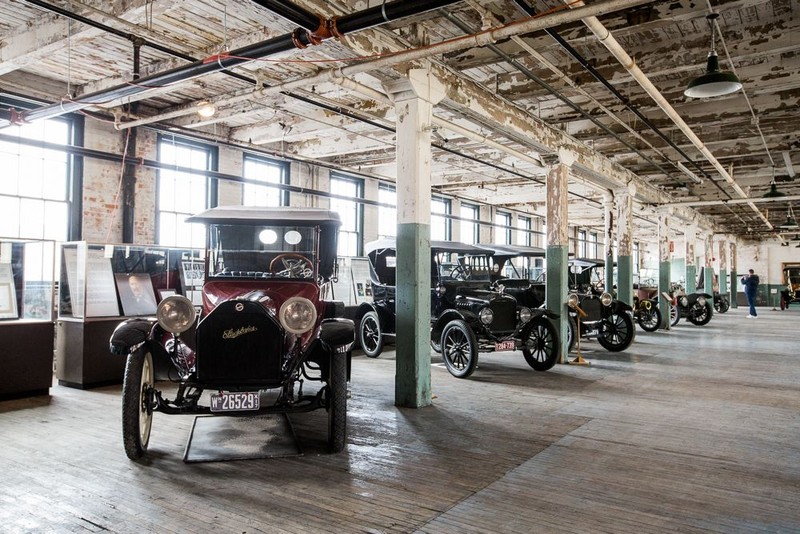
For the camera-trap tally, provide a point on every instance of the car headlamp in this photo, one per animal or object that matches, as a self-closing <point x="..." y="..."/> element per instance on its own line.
<point x="525" y="314"/>
<point x="486" y="315"/>
<point x="441" y="289"/>
<point x="297" y="315"/>
<point x="606" y="299"/>
<point x="572" y="300"/>
<point x="684" y="301"/>
<point x="701" y="301"/>
<point x="176" y="314"/>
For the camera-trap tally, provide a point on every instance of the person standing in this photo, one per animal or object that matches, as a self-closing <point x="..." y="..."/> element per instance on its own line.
<point x="750" y="283"/>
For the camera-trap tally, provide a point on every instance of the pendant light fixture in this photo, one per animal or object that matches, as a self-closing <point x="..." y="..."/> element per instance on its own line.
<point x="773" y="188"/>
<point x="791" y="222"/>
<point x="714" y="82"/>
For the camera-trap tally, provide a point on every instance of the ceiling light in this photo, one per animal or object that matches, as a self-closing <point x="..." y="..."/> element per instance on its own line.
<point x="790" y="222"/>
<point x="773" y="188"/>
<point x="714" y="82"/>
<point x="206" y="109"/>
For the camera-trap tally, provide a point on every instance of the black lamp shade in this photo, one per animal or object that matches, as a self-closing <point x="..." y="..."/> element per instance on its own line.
<point x="713" y="82"/>
<point x="773" y="192"/>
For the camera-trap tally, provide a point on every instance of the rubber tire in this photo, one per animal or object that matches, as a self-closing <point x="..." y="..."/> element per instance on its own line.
<point x="674" y="314"/>
<point x="621" y="322"/>
<point x="459" y="344"/>
<point x="370" y="336"/>
<point x="705" y="318"/>
<point x="649" y="325"/>
<point x="543" y="338"/>
<point x="136" y="428"/>
<point x="572" y="333"/>
<point x="721" y="306"/>
<point x="337" y="403"/>
<point x="437" y="348"/>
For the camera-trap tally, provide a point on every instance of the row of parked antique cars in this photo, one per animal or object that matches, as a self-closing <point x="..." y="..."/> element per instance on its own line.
<point x="266" y="340"/>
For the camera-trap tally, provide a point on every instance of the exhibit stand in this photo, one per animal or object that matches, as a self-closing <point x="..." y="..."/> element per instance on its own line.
<point x="26" y="317"/>
<point x="100" y="286"/>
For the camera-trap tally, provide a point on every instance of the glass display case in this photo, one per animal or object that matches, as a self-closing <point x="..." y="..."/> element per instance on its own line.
<point x="102" y="284"/>
<point x="26" y="316"/>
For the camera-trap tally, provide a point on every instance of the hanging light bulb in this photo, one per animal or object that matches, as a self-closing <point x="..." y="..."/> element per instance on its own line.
<point x="206" y="109"/>
<point x="714" y="82"/>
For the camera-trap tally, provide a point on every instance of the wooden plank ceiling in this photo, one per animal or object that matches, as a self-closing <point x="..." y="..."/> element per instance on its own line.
<point x="47" y="56"/>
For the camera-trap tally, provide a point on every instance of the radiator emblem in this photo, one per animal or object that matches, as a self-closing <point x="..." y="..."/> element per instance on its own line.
<point x="239" y="306"/>
<point x="233" y="334"/>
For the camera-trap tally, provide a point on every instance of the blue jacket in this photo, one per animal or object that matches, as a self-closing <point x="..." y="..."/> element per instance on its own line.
<point x="750" y="283"/>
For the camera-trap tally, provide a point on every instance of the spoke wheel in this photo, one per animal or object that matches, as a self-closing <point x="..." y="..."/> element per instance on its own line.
<point x="541" y="345"/>
<point x="370" y="336"/>
<point x="137" y="409"/>
<point x="617" y="332"/>
<point x="459" y="349"/>
<point x="572" y="333"/>
<point x="700" y="315"/>
<point x="337" y="402"/>
<point x="721" y="305"/>
<point x="674" y="314"/>
<point x="650" y="320"/>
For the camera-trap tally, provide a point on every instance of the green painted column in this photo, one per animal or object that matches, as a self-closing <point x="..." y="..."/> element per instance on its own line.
<point x="414" y="97"/>
<point x="734" y="277"/>
<point x="691" y="259"/>
<point x="625" y="247"/>
<point x="664" y="265"/>
<point x="708" y="270"/>
<point x="608" y="215"/>
<point x="557" y="251"/>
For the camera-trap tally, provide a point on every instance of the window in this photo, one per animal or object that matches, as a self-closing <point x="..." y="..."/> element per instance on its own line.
<point x="387" y="217"/>
<point x="268" y="171"/>
<point x="470" y="228"/>
<point x="543" y="235"/>
<point x="636" y="258"/>
<point x="593" y="249"/>
<point x="182" y="194"/>
<point x="502" y="228"/>
<point x="524" y="231"/>
<point x="440" y="225"/>
<point x="583" y="244"/>
<point x="351" y="213"/>
<point x="35" y="184"/>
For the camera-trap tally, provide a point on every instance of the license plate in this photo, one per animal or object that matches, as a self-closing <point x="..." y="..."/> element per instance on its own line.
<point x="235" y="402"/>
<point x="508" y="344"/>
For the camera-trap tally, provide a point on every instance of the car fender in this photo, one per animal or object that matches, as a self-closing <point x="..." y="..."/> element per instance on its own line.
<point x="619" y="306"/>
<point x="442" y="320"/>
<point x="363" y="309"/>
<point x="131" y="334"/>
<point x="538" y="312"/>
<point x="337" y="334"/>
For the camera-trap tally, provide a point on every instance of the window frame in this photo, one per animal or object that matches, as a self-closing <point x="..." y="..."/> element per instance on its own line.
<point x="285" y="179"/>
<point x="358" y="206"/>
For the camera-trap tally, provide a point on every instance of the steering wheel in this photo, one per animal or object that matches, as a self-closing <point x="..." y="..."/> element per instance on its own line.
<point x="291" y="265"/>
<point x="459" y="272"/>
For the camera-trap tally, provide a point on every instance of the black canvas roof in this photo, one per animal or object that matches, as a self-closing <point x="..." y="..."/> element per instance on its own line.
<point x="255" y="215"/>
<point x="518" y="250"/>
<point x="436" y="246"/>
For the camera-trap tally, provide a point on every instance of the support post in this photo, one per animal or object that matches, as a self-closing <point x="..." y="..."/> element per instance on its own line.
<point x="128" y="194"/>
<point x="624" y="247"/>
<point x="690" y="234"/>
<point x="557" y="251"/>
<point x="708" y="268"/>
<point x="664" y="266"/>
<point x="414" y="98"/>
<point x="608" y="215"/>
<point x="734" y="276"/>
<point x="723" y="267"/>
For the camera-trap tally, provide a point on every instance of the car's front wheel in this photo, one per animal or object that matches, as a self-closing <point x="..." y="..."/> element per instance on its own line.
<point x="572" y="333"/>
<point x="137" y="409"/>
<point x="370" y="335"/>
<point x="459" y="349"/>
<point x="721" y="305"/>
<point x="541" y="345"/>
<point x="617" y="332"/>
<point x="650" y="320"/>
<point x="700" y="314"/>
<point x="337" y="402"/>
<point x="674" y="314"/>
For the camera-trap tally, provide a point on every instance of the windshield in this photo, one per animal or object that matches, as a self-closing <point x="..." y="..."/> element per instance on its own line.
<point x="452" y="267"/>
<point x="262" y="251"/>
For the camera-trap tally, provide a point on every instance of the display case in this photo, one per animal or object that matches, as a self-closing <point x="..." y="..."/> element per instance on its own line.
<point x="26" y="317"/>
<point x="99" y="286"/>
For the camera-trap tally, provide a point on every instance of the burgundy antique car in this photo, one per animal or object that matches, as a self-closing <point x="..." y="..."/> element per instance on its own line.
<point x="262" y="332"/>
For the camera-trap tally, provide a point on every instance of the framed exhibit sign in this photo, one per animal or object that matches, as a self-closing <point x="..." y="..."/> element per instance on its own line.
<point x="136" y="294"/>
<point x="192" y="275"/>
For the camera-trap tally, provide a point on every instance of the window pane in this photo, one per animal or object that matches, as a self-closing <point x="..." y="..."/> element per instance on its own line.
<point x="263" y="171"/>
<point x="349" y="212"/>
<point x="9" y="222"/>
<point x="387" y="217"/>
<point x="182" y="194"/>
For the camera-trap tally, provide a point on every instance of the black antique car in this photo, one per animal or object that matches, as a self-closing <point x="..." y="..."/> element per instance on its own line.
<point x="263" y="330"/>
<point x="791" y="293"/>
<point x="697" y="307"/>
<point x="601" y="315"/>
<point x="466" y="316"/>
<point x="721" y="302"/>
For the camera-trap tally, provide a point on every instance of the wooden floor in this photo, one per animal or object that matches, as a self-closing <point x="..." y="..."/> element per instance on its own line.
<point x="697" y="429"/>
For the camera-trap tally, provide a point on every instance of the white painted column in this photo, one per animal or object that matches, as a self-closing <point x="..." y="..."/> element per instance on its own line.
<point x="664" y="265"/>
<point x="690" y="236"/>
<point x="624" y="246"/>
<point x="608" y="235"/>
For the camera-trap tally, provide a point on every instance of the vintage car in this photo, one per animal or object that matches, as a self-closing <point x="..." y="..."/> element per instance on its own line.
<point x="697" y="307"/>
<point x="791" y="293"/>
<point x="646" y="313"/>
<point x="263" y="330"/>
<point x="721" y="302"/>
<point x="466" y="316"/>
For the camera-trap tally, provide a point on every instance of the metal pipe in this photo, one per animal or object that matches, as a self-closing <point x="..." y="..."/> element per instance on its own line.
<point x="336" y="27"/>
<point x="291" y="12"/>
<point x="724" y="202"/>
